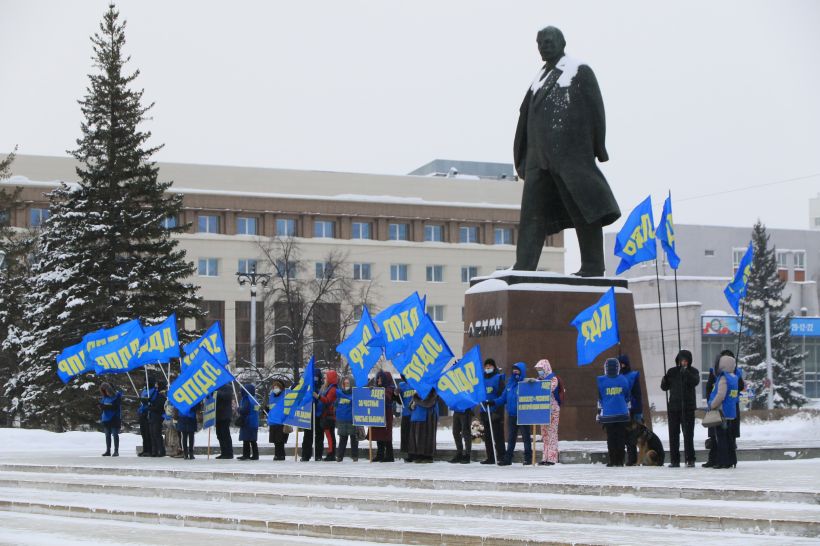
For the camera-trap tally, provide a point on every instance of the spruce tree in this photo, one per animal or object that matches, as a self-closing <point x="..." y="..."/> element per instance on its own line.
<point x="765" y="292"/>
<point x="106" y="253"/>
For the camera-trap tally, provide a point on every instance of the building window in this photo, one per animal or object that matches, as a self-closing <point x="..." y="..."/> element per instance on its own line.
<point x="398" y="272"/>
<point x="246" y="225"/>
<point x="435" y="273"/>
<point x="324" y="228"/>
<point x="246" y="266"/>
<point x="286" y="227"/>
<point x="709" y="253"/>
<point x="38" y="217"/>
<point x="214" y="311"/>
<point x="468" y="234"/>
<point x="503" y="236"/>
<point x="468" y="272"/>
<point x="799" y="265"/>
<point x="436" y="312"/>
<point x="243" y="333"/>
<point x="208" y="267"/>
<point x="324" y="270"/>
<point x="361" y="230"/>
<point x="208" y="223"/>
<point x="782" y="264"/>
<point x="434" y="233"/>
<point x="169" y="222"/>
<point x="285" y="269"/>
<point x="361" y="272"/>
<point x="398" y="232"/>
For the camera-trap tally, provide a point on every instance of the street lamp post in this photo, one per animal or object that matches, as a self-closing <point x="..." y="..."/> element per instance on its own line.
<point x="2" y="258"/>
<point x="253" y="279"/>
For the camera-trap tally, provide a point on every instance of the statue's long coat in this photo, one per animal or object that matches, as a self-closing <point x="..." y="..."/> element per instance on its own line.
<point x="561" y="122"/>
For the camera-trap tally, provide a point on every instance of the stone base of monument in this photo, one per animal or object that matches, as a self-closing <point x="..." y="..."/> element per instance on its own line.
<point x="525" y="316"/>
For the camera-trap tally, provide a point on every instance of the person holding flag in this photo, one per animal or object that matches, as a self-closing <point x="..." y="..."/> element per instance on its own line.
<point x="249" y="423"/>
<point x="405" y="393"/>
<point x="147" y="395"/>
<point x="344" y="420"/>
<point x="510" y="398"/>
<point x="492" y="416"/>
<point x="613" y="402"/>
<point x="156" y="418"/>
<point x="110" y="403"/>
<point x="276" y="430"/>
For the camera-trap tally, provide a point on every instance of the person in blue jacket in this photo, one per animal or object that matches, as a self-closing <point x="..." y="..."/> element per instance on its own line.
<point x="614" y="392"/>
<point x="187" y="425"/>
<point x="494" y="386"/>
<point x="344" y="422"/>
<point x="724" y="397"/>
<point x="510" y="398"/>
<point x="249" y="427"/>
<point x="147" y="395"/>
<point x="406" y="393"/>
<point x="276" y="430"/>
<point x="110" y="402"/>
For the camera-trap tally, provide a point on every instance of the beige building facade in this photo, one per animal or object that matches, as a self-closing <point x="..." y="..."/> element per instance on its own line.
<point x="399" y="233"/>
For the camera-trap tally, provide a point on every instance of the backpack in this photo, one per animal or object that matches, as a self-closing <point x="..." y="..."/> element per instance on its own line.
<point x="560" y="392"/>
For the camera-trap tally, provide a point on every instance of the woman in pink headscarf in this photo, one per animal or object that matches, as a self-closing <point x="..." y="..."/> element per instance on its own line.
<point x="550" y="432"/>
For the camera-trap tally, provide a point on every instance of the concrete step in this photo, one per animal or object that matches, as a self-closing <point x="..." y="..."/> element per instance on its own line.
<point x="476" y="479"/>
<point x="785" y="519"/>
<point x="342" y="523"/>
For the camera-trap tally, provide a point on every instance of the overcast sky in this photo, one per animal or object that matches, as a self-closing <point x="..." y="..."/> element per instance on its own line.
<point x="701" y="96"/>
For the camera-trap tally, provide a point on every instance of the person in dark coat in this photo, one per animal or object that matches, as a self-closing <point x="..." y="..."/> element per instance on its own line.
<point x="561" y="131"/>
<point x="326" y="398"/>
<point x="613" y="398"/>
<point x="463" y="436"/>
<point x="344" y="420"/>
<point x="156" y="418"/>
<point x="635" y="410"/>
<point x="313" y="442"/>
<point x="110" y="418"/>
<point x="509" y="399"/>
<point x="146" y="396"/>
<point x="680" y="383"/>
<point x="383" y="436"/>
<point x="187" y="425"/>
<point x="223" y="417"/>
<point x="494" y="385"/>
<point x="424" y="419"/>
<point x="405" y="394"/>
<point x="249" y="429"/>
<point x="276" y="431"/>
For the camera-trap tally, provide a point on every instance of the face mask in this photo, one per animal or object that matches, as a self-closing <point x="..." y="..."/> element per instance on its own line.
<point x="542" y="374"/>
<point x="516" y="376"/>
<point x="488" y="370"/>
<point x="276" y="390"/>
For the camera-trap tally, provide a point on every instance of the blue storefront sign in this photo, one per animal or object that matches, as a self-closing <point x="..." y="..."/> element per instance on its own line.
<point x="728" y="325"/>
<point x="368" y="407"/>
<point x="805" y="326"/>
<point x="534" y="402"/>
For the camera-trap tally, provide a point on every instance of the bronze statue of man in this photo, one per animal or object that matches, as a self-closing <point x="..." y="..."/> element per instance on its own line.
<point x="560" y="132"/>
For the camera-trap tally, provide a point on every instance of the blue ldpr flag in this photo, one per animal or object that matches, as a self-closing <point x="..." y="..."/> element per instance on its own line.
<point x="397" y="324"/>
<point x="211" y="340"/>
<point x="597" y="328"/>
<point x="299" y="416"/>
<point x="736" y="290"/>
<point x="159" y="343"/>
<point x="462" y="386"/>
<point x="665" y="233"/>
<point x="118" y="356"/>
<point x="635" y="242"/>
<point x="424" y="359"/>
<point x="304" y="388"/>
<point x="101" y="337"/>
<point x="360" y="356"/>
<point x="203" y="377"/>
<point x="72" y="362"/>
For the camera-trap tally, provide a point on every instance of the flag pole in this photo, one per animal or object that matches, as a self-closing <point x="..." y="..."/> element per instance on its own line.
<point x="132" y="384"/>
<point x="296" y="446"/>
<point x="209" y="435"/>
<point x="534" y="446"/>
<point x="740" y="329"/>
<point x="490" y="424"/>
<point x="167" y="379"/>
<point x="677" y="308"/>
<point x="660" y="315"/>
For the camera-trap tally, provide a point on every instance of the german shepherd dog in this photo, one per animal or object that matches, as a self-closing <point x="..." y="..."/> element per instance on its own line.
<point x="650" y="447"/>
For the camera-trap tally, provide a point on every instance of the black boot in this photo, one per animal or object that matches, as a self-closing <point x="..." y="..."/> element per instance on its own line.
<point x="591" y="243"/>
<point x="388" y="453"/>
<point x="379" y="452"/>
<point x="456" y="459"/>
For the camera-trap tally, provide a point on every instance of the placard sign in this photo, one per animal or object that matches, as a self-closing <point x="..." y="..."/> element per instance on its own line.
<point x="368" y="407"/>
<point x="534" y="402"/>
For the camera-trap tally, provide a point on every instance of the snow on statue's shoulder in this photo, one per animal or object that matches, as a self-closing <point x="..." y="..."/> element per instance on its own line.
<point x="569" y="66"/>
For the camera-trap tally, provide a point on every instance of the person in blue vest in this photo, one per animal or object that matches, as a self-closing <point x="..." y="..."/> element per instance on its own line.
<point x="249" y="427"/>
<point x="344" y="422"/>
<point x="724" y="397"/>
<point x="276" y="431"/>
<point x="614" y="391"/>
<point x="406" y="393"/>
<point x="493" y="422"/>
<point x="146" y="396"/>
<point x="110" y="418"/>
<point x="635" y="410"/>
<point x="510" y="398"/>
